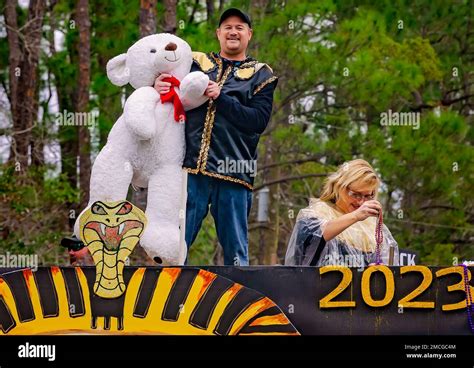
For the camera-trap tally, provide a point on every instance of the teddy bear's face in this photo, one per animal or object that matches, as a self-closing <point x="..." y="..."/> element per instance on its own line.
<point x="149" y="57"/>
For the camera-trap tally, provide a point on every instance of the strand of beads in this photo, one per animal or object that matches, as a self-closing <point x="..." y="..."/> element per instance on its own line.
<point x="378" y="237"/>
<point x="469" y="304"/>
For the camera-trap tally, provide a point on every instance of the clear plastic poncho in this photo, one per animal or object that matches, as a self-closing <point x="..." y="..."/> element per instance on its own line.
<point x="354" y="247"/>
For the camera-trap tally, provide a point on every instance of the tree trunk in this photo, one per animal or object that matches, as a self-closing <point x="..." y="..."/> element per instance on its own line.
<point x="109" y="97"/>
<point x="38" y="134"/>
<point x="170" y="16"/>
<point x="147" y="17"/>
<point x="210" y="9"/>
<point x="23" y="72"/>
<point x="111" y="105"/>
<point x="271" y="245"/>
<point x="68" y="135"/>
<point x="265" y="234"/>
<point x="82" y="97"/>
<point x="14" y="59"/>
<point x="218" y="259"/>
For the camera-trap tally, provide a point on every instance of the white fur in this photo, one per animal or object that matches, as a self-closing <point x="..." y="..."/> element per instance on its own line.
<point x="146" y="146"/>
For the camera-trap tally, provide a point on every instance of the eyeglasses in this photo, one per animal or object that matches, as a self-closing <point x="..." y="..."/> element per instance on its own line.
<point x="359" y="196"/>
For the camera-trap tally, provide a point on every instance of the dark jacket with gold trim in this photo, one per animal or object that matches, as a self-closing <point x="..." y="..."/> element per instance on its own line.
<point x="222" y="135"/>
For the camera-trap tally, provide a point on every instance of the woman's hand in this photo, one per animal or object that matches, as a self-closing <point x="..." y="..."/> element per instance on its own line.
<point x="338" y="225"/>
<point x="367" y="209"/>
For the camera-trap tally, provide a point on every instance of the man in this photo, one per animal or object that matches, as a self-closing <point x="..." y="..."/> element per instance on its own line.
<point x="222" y="136"/>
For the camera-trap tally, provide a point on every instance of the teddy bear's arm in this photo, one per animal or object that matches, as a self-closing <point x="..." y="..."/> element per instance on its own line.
<point x="139" y="112"/>
<point x="191" y="90"/>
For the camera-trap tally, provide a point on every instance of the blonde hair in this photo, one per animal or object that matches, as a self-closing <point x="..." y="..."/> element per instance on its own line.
<point x="348" y="173"/>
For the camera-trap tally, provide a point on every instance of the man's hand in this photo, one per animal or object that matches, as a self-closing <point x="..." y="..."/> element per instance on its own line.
<point x="213" y="90"/>
<point x="160" y="86"/>
<point x="81" y="257"/>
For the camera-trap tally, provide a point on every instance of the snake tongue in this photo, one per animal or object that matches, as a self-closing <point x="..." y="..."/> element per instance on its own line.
<point x="112" y="236"/>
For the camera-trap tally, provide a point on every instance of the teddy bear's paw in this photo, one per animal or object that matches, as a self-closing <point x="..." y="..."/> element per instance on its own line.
<point x="139" y="112"/>
<point x="143" y="134"/>
<point x="194" y="85"/>
<point x="200" y="80"/>
<point x="138" y="128"/>
<point x="162" y="244"/>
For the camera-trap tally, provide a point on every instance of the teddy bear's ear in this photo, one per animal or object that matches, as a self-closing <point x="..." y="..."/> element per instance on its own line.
<point x="117" y="71"/>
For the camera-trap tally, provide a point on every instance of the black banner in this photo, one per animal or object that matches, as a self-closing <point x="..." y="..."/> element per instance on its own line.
<point x="409" y="300"/>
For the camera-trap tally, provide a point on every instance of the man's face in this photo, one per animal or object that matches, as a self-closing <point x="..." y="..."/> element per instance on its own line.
<point x="234" y="35"/>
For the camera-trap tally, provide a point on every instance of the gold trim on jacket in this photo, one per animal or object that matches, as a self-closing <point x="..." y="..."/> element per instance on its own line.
<point x="263" y="84"/>
<point x="244" y="71"/>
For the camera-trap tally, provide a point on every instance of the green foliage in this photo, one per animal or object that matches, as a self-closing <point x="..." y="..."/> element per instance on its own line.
<point x="33" y="214"/>
<point x="441" y="254"/>
<point x="340" y="65"/>
<point x="205" y="246"/>
<point x="369" y="65"/>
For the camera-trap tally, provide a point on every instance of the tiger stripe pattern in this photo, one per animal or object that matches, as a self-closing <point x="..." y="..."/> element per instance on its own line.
<point x="170" y="300"/>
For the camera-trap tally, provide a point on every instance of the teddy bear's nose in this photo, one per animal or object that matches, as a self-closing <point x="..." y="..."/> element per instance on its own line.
<point x="171" y="47"/>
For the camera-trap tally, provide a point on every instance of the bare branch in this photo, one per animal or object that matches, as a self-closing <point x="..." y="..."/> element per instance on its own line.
<point x="293" y="162"/>
<point x="289" y="178"/>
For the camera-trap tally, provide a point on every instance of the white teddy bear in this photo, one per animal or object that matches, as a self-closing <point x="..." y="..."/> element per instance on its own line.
<point x="146" y="145"/>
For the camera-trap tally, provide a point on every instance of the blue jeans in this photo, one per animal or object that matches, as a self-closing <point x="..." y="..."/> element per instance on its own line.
<point x="230" y="207"/>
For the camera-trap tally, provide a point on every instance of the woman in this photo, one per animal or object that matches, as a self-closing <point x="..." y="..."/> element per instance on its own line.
<point x="339" y="227"/>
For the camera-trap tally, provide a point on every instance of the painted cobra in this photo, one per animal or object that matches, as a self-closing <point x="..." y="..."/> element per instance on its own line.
<point x="111" y="231"/>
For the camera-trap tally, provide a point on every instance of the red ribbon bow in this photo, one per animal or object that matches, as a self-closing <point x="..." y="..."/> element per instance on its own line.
<point x="172" y="96"/>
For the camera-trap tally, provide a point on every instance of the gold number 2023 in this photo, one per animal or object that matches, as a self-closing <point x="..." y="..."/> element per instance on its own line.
<point x="406" y="301"/>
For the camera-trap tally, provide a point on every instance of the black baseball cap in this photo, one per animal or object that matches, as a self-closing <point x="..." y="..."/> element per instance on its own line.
<point x="238" y="13"/>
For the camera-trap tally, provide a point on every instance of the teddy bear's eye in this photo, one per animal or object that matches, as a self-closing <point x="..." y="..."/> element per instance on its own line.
<point x="153" y="51"/>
